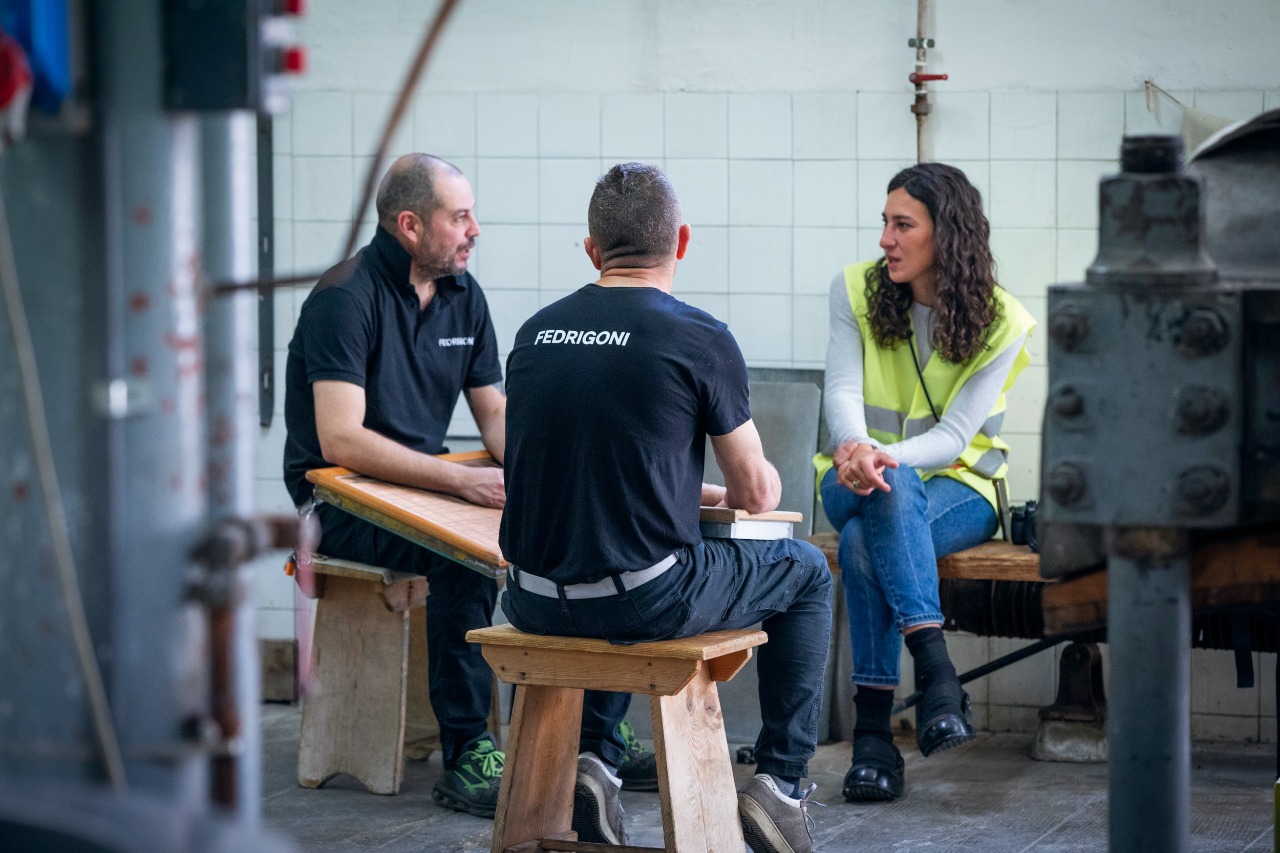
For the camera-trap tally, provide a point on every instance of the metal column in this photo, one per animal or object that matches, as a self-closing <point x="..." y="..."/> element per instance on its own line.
<point x="231" y="343"/>
<point x="1149" y="725"/>
<point x="155" y="398"/>
<point x="1141" y="446"/>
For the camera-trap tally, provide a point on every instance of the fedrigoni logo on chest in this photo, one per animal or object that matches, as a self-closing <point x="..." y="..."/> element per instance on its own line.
<point x="457" y="342"/>
<point x="562" y="336"/>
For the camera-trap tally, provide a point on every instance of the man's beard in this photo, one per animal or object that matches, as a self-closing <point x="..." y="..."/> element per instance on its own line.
<point x="435" y="264"/>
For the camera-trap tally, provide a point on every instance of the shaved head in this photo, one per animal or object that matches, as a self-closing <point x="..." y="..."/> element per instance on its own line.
<point x="634" y="217"/>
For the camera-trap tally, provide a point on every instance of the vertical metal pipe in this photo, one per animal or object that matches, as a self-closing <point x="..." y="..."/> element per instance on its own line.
<point x="921" y="108"/>
<point x="1149" y="725"/>
<point x="156" y="445"/>
<point x="228" y="161"/>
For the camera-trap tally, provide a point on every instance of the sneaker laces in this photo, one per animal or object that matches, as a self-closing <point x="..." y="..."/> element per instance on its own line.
<point x="634" y="749"/>
<point x="805" y="802"/>
<point x="491" y="761"/>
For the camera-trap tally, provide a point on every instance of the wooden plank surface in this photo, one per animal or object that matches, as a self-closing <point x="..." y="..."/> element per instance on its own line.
<point x="725" y="515"/>
<point x="442" y="523"/>
<point x="334" y="567"/>
<point x="706" y="646"/>
<point x="1238" y="570"/>
<point x="448" y="525"/>
<point x="591" y="670"/>
<point x="993" y="560"/>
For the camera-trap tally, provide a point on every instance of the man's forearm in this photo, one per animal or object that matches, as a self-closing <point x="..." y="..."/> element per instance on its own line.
<point x="489" y="410"/>
<point x="760" y="491"/>
<point x="375" y="455"/>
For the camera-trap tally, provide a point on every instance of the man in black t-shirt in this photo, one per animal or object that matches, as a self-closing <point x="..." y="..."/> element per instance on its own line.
<point x="384" y="345"/>
<point x="613" y="390"/>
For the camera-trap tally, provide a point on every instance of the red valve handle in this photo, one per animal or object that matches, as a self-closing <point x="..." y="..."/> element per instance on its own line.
<point x="924" y="78"/>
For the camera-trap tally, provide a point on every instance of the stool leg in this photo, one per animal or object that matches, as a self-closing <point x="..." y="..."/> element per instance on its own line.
<point x="695" y="778"/>
<point x="536" y="797"/>
<point x="353" y="722"/>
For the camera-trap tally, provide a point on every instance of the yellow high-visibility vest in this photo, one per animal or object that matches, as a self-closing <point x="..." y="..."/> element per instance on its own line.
<point x="895" y="403"/>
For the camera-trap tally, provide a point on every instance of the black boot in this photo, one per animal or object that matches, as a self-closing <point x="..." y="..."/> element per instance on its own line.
<point x="877" y="773"/>
<point x="944" y="715"/>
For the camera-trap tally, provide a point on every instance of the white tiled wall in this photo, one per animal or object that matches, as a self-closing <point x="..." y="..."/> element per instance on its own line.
<point x="782" y="189"/>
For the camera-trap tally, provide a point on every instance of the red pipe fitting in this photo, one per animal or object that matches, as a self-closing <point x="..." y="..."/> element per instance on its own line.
<point x="918" y="78"/>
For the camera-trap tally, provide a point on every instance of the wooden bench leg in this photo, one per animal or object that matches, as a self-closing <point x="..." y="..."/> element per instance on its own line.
<point x="695" y="777"/>
<point x="353" y="721"/>
<point x="536" y="797"/>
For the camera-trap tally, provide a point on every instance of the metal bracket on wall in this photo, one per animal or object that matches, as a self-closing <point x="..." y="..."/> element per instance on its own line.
<point x="266" y="271"/>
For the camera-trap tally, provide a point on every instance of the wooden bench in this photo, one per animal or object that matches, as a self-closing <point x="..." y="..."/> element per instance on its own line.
<point x="996" y="560"/>
<point x="695" y="777"/>
<point x="367" y="703"/>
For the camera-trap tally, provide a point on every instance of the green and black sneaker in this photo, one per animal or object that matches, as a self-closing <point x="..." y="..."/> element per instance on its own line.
<point x="472" y="785"/>
<point x="639" y="768"/>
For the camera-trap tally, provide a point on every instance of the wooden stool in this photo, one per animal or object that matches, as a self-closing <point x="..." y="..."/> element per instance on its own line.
<point x="353" y="719"/>
<point x="369" y="682"/>
<point x="695" y="778"/>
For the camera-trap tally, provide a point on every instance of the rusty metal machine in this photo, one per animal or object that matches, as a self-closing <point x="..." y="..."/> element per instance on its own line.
<point x="1161" y="448"/>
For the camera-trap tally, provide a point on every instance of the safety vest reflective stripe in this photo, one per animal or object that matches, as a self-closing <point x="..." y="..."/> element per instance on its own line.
<point x="888" y="421"/>
<point x="884" y="420"/>
<point x="918" y="426"/>
<point x="990" y="463"/>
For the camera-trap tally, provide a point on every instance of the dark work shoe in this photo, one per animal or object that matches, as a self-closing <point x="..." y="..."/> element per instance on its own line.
<point x="772" y="822"/>
<point x="597" y="808"/>
<point x="472" y="785"/>
<point x="877" y="773"/>
<point x="944" y="717"/>
<point x="639" y="768"/>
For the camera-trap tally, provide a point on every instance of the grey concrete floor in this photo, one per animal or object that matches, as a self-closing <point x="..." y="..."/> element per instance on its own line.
<point x="990" y="796"/>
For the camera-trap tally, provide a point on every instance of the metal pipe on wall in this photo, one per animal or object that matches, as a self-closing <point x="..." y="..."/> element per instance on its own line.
<point x="228" y="159"/>
<point x="921" y="107"/>
<point x="919" y="78"/>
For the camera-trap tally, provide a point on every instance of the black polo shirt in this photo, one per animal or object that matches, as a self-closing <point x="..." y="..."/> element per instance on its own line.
<point x="361" y="324"/>
<point x="611" y="394"/>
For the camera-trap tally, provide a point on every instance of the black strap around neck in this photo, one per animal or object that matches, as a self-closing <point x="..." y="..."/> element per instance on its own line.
<point x="915" y="361"/>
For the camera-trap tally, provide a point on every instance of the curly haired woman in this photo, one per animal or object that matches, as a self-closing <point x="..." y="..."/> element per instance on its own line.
<point x="924" y="344"/>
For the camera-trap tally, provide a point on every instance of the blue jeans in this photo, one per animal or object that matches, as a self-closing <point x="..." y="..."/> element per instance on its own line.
<point x="459" y="680"/>
<point x="715" y="584"/>
<point x="889" y="546"/>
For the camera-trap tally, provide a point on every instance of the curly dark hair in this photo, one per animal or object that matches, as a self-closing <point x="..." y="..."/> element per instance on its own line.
<point x="965" y="269"/>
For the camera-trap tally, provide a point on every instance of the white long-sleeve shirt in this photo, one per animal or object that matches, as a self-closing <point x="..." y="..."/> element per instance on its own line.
<point x="933" y="449"/>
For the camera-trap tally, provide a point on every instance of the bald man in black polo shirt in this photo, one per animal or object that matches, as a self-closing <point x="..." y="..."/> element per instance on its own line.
<point x="384" y="345"/>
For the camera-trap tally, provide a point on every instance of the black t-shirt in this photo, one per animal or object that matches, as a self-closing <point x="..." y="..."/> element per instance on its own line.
<point x="611" y="393"/>
<point x="361" y="324"/>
